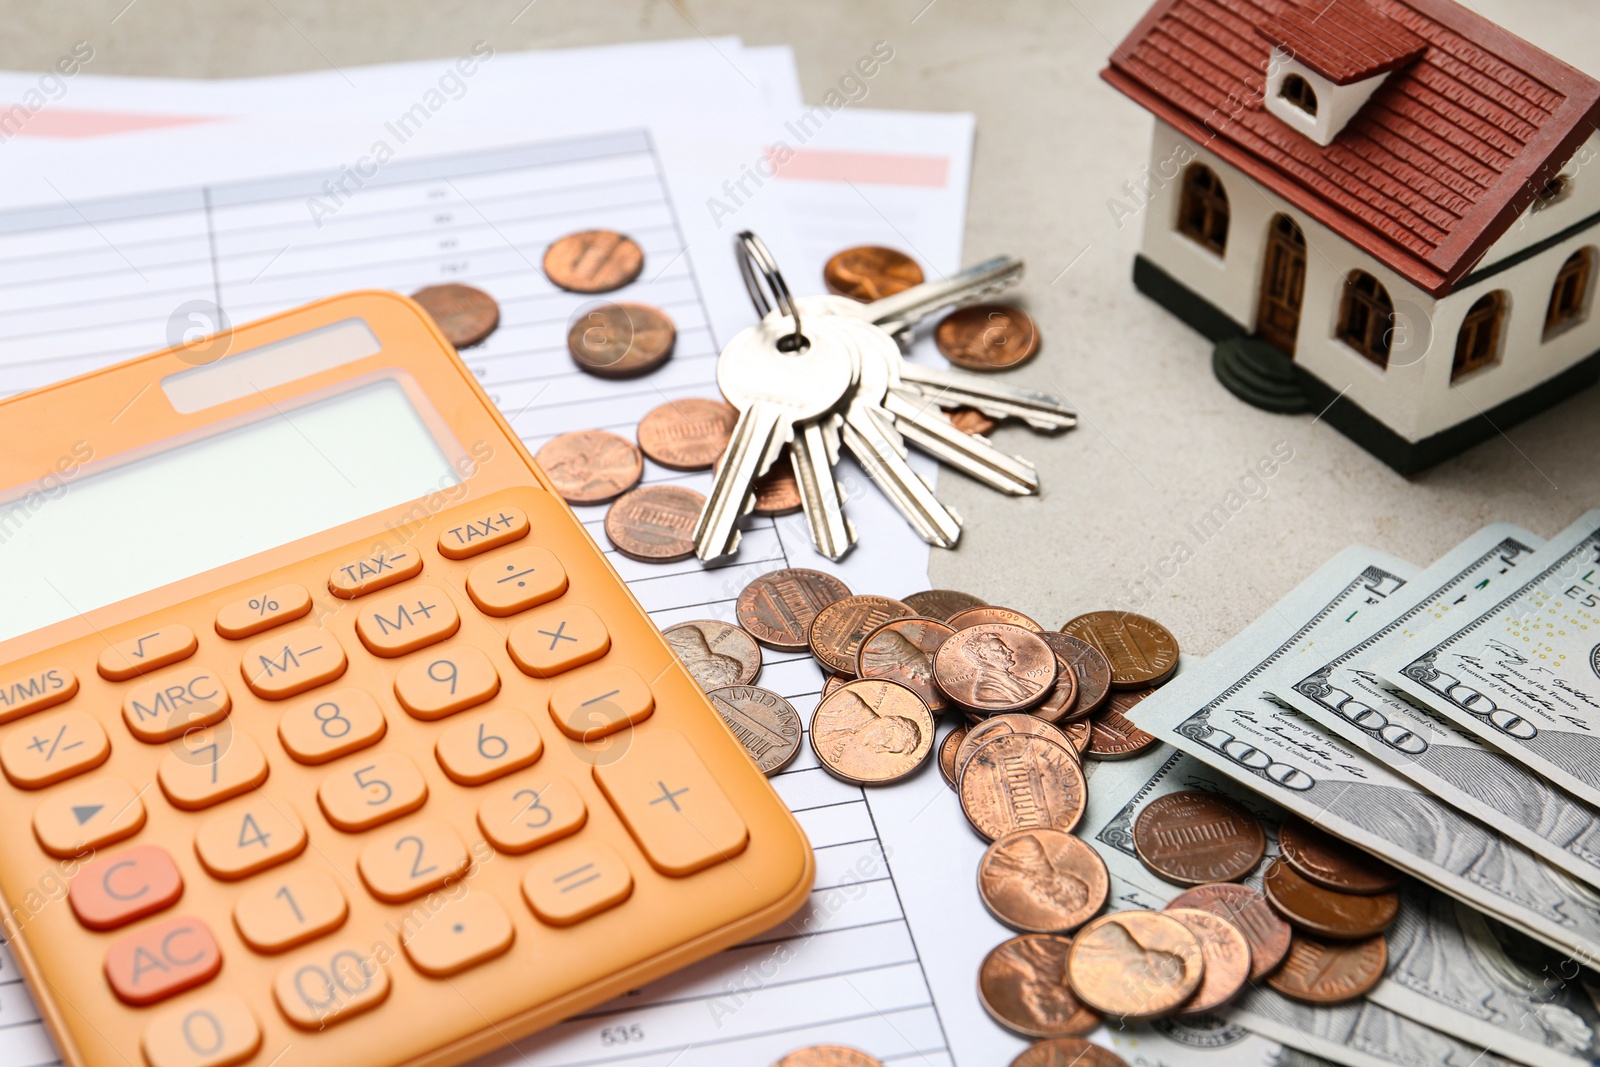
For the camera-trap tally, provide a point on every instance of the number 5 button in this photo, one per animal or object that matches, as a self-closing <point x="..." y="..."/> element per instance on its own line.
<point x="361" y="796"/>
<point x="672" y="806"/>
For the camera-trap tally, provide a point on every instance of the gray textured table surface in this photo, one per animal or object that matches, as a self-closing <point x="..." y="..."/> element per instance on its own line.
<point x="1161" y="443"/>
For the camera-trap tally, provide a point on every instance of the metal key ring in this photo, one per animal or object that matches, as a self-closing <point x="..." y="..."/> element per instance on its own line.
<point x="755" y="258"/>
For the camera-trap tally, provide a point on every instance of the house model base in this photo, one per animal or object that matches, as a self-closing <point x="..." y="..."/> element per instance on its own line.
<point x="1381" y="210"/>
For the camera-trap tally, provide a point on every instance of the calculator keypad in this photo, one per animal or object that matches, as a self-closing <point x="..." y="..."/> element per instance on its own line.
<point x="156" y="962"/>
<point x="334" y="724"/>
<point x="52" y="748"/>
<point x="289" y="910"/>
<point x="247" y="838"/>
<point x="361" y="794"/>
<point x="209" y="766"/>
<point x="169" y="705"/>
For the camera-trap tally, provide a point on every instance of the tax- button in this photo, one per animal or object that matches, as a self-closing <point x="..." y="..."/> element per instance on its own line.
<point x="464" y="932"/>
<point x="158" y="961"/>
<point x="292" y="662"/>
<point x="112" y="891"/>
<point x="53" y="748"/>
<point x="368" y="574"/>
<point x="261" y="611"/>
<point x="35" y="691"/>
<point x="671" y="805"/>
<point x="405" y="622"/>
<point x="491" y="529"/>
<point x="557" y="639"/>
<point x="81" y="818"/>
<point x="516" y="581"/>
<point x="174" y="703"/>
<point x="600" y="702"/>
<point x="216" y="1030"/>
<point x="148" y="651"/>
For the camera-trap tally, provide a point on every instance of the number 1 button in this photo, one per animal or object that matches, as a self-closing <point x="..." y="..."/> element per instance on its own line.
<point x="672" y="806"/>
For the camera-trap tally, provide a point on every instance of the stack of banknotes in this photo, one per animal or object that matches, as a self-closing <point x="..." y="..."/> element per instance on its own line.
<point x="1446" y="719"/>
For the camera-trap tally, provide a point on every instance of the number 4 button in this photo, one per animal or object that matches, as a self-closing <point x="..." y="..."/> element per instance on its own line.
<point x="671" y="805"/>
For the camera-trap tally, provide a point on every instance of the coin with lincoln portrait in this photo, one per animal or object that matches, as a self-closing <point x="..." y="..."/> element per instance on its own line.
<point x="995" y="667"/>
<point x="871" y="732"/>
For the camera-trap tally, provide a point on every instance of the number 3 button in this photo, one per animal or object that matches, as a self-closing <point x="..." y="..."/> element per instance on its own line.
<point x="522" y="815"/>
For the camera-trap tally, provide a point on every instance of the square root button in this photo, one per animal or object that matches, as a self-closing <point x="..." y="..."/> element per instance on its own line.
<point x="680" y="817"/>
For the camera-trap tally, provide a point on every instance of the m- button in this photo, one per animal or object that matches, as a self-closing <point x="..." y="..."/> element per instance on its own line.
<point x="292" y="662"/>
<point x="671" y="805"/>
<point x="368" y="574"/>
<point x="147" y="652"/>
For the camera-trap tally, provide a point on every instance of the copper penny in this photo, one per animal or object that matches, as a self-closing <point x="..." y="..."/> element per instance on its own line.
<point x="902" y="650"/>
<point x="1227" y="955"/>
<point x="688" y="434"/>
<point x="832" y="684"/>
<point x="463" y="314"/>
<point x="1068" y="1052"/>
<point x="829" y="1056"/>
<point x="1022" y="983"/>
<point x="1323" y="859"/>
<point x="1142" y="651"/>
<point x="716" y="654"/>
<point x="766" y="724"/>
<point x="1043" y="881"/>
<point x="777" y="608"/>
<point x="655" y="523"/>
<point x="1246" y="908"/>
<point x="872" y="732"/>
<point x="1324" y="912"/>
<point x="941" y="603"/>
<point x="995" y="667"/>
<point x="987" y="337"/>
<point x="591" y="466"/>
<point x="836" y="633"/>
<point x="1135" y="965"/>
<point x="947" y="754"/>
<point x="593" y="261"/>
<point x="969" y="420"/>
<point x="1331" y="972"/>
<point x="621" y="340"/>
<point x="1020" y="782"/>
<point x="870" y="272"/>
<point x="980" y="614"/>
<point x="1078" y="734"/>
<point x="1012" y="722"/>
<point x="1192" y="837"/>
<point x="1113" y="736"/>
<point x="1057" y="707"/>
<point x="1089" y="666"/>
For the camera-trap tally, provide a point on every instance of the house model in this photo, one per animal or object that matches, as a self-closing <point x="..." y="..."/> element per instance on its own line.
<point x="1383" y="210"/>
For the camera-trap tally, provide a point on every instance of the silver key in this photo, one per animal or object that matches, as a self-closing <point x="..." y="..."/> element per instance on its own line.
<point x="919" y="419"/>
<point x="813" y="454"/>
<point x="774" y="390"/>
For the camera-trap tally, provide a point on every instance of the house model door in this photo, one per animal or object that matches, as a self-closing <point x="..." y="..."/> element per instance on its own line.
<point x="1283" y="285"/>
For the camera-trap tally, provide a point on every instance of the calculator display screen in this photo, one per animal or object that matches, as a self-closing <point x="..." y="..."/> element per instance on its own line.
<point x="108" y="535"/>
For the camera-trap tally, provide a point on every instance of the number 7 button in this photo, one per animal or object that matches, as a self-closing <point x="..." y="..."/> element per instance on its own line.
<point x="671" y="805"/>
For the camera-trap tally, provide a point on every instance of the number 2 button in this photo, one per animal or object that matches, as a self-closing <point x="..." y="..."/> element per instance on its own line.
<point x="412" y="860"/>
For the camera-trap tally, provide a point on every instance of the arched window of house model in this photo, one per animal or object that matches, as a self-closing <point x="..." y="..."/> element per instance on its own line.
<point x="1298" y="92"/>
<point x="1366" y="319"/>
<point x="1569" y="299"/>
<point x="1203" y="211"/>
<point x="1478" y="343"/>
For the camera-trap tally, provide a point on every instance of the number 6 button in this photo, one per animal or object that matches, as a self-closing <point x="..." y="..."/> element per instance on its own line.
<point x="412" y="860"/>
<point x="487" y="746"/>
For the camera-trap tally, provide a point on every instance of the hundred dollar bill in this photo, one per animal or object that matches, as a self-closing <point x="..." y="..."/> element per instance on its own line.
<point x="1450" y="969"/>
<point x="1345" y="696"/>
<point x="1224" y="715"/>
<point x="1524" y="673"/>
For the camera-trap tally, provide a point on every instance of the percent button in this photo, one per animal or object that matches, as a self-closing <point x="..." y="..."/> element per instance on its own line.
<point x="262" y="610"/>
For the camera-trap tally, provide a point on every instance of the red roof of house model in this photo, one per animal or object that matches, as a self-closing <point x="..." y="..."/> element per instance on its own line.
<point x="1437" y="165"/>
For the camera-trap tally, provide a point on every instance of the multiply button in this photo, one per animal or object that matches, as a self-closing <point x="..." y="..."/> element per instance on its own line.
<point x="405" y="622"/>
<point x="516" y="581"/>
<point x="672" y="806"/>
<point x="160" y="709"/>
<point x="483" y="532"/>
<point x="261" y="611"/>
<point x="112" y="891"/>
<point x="557" y="639"/>
<point x="148" y="651"/>
<point x="82" y="818"/>
<point x="36" y="691"/>
<point x="292" y="662"/>
<point x="577" y="880"/>
<point x="601" y="702"/>
<point x="53" y="748"/>
<point x="460" y="934"/>
<point x="158" y="961"/>
<point x="216" y="1030"/>
<point x="372" y="573"/>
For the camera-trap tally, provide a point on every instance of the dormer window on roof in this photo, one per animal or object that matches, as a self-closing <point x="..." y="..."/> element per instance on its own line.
<point x="1325" y="66"/>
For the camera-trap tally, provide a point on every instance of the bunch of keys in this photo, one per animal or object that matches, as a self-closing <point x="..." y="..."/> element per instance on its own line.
<point x="837" y="377"/>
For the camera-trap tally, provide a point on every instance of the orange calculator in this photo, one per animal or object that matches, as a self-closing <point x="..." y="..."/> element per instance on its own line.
<point x="326" y="727"/>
